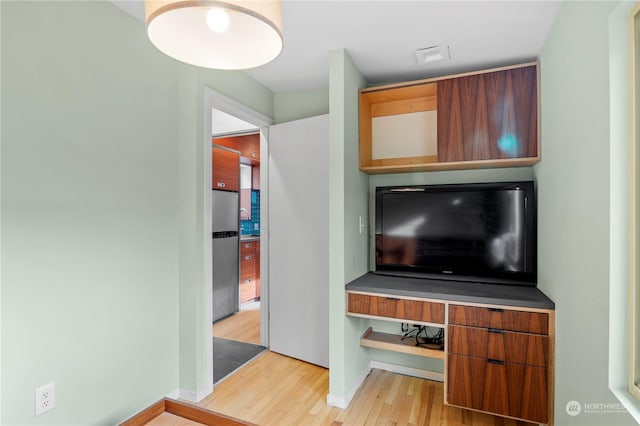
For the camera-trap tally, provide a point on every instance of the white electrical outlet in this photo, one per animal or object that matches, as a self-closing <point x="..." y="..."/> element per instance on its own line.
<point x="45" y="398"/>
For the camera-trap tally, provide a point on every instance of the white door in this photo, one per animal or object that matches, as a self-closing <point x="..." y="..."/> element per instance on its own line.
<point x="299" y="239"/>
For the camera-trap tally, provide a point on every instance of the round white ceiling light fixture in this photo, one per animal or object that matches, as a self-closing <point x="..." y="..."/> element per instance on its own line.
<point x="226" y="35"/>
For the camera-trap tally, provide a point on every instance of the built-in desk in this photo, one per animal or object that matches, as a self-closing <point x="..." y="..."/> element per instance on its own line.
<point x="499" y="339"/>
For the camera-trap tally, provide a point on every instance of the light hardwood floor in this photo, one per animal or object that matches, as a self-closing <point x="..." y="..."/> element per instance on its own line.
<point x="277" y="390"/>
<point x="244" y="326"/>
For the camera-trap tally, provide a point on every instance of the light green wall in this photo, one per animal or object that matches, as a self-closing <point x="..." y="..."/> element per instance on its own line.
<point x="573" y="205"/>
<point x="289" y="106"/>
<point x="89" y="235"/>
<point x="103" y="183"/>
<point x="347" y="200"/>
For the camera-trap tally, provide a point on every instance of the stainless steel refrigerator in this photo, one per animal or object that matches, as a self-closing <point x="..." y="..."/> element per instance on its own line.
<point x="226" y="247"/>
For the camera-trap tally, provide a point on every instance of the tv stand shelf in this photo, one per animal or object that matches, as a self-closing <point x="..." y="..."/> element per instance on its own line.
<point x="458" y="291"/>
<point x="397" y="343"/>
<point x="499" y="339"/>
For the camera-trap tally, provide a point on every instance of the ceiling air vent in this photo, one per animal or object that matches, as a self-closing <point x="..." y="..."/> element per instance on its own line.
<point x="432" y="54"/>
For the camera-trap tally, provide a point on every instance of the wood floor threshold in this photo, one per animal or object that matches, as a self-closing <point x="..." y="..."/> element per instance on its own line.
<point x="184" y="410"/>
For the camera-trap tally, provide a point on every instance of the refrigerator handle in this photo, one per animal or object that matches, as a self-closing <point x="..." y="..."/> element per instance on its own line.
<point x="224" y="234"/>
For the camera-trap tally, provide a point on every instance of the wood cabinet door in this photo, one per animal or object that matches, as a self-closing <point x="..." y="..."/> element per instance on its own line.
<point x="225" y="169"/>
<point x="510" y="389"/>
<point x="488" y="116"/>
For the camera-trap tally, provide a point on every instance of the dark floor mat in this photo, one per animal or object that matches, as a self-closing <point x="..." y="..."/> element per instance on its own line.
<point x="228" y="355"/>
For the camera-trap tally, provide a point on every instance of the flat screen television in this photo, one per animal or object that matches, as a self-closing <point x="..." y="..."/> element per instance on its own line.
<point x="482" y="232"/>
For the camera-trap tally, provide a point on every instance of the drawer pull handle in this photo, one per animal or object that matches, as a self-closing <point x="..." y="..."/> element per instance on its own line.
<point x="495" y="330"/>
<point x="392" y="298"/>
<point x="247" y="257"/>
<point x="495" y="310"/>
<point x="495" y="361"/>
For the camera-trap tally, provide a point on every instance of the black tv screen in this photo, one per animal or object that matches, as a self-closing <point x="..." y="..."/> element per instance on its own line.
<point x="483" y="232"/>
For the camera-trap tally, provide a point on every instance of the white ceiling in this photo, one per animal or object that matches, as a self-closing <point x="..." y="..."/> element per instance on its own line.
<point x="381" y="37"/>
<point x="225" y="124"/>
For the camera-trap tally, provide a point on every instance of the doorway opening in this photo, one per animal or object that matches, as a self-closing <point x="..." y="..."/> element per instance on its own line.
<point x="238" y="335"/>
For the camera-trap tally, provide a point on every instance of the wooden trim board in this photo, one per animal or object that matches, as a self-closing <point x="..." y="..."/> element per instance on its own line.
<point x="181" y="409"/>
<point x="407" y="84"/>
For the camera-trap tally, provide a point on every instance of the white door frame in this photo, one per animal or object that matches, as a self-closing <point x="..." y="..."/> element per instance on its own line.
<point x="214" y="99"/>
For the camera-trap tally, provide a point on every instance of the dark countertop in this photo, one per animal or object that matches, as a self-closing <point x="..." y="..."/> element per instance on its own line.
<point x="458" y="291"/>
<point x="250" y="238"/>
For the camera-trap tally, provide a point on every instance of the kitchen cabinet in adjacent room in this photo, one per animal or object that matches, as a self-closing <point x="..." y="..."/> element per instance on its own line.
<point x="248" y="145"/>
<point x="225" y="169"/>
<point x="249" y="271"/>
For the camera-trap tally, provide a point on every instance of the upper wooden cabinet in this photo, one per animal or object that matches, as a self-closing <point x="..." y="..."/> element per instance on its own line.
<point x="475" y="120"/>
<point x="488" y="116"/>
<point x="225" y="169"/>
<point x="248" y="145"/>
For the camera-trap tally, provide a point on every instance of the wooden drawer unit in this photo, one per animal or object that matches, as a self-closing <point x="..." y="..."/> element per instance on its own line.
<point x="248" y="246"/>
<point x="499" y="345"/>
<point x="392" y="307"/>
<point x="257" y="269"/>
<point x="249" y="268"/>
<point x="499" y="360"/>
<point x="498" y="318"/>
<point x="509" y="389"/>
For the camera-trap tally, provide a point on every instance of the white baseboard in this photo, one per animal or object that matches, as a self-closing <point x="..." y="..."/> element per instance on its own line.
<point x="174" y="394"/>
<point x="336" y="401"/>
<point x="191" y="396"/>
<point x="343" y="402"/>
